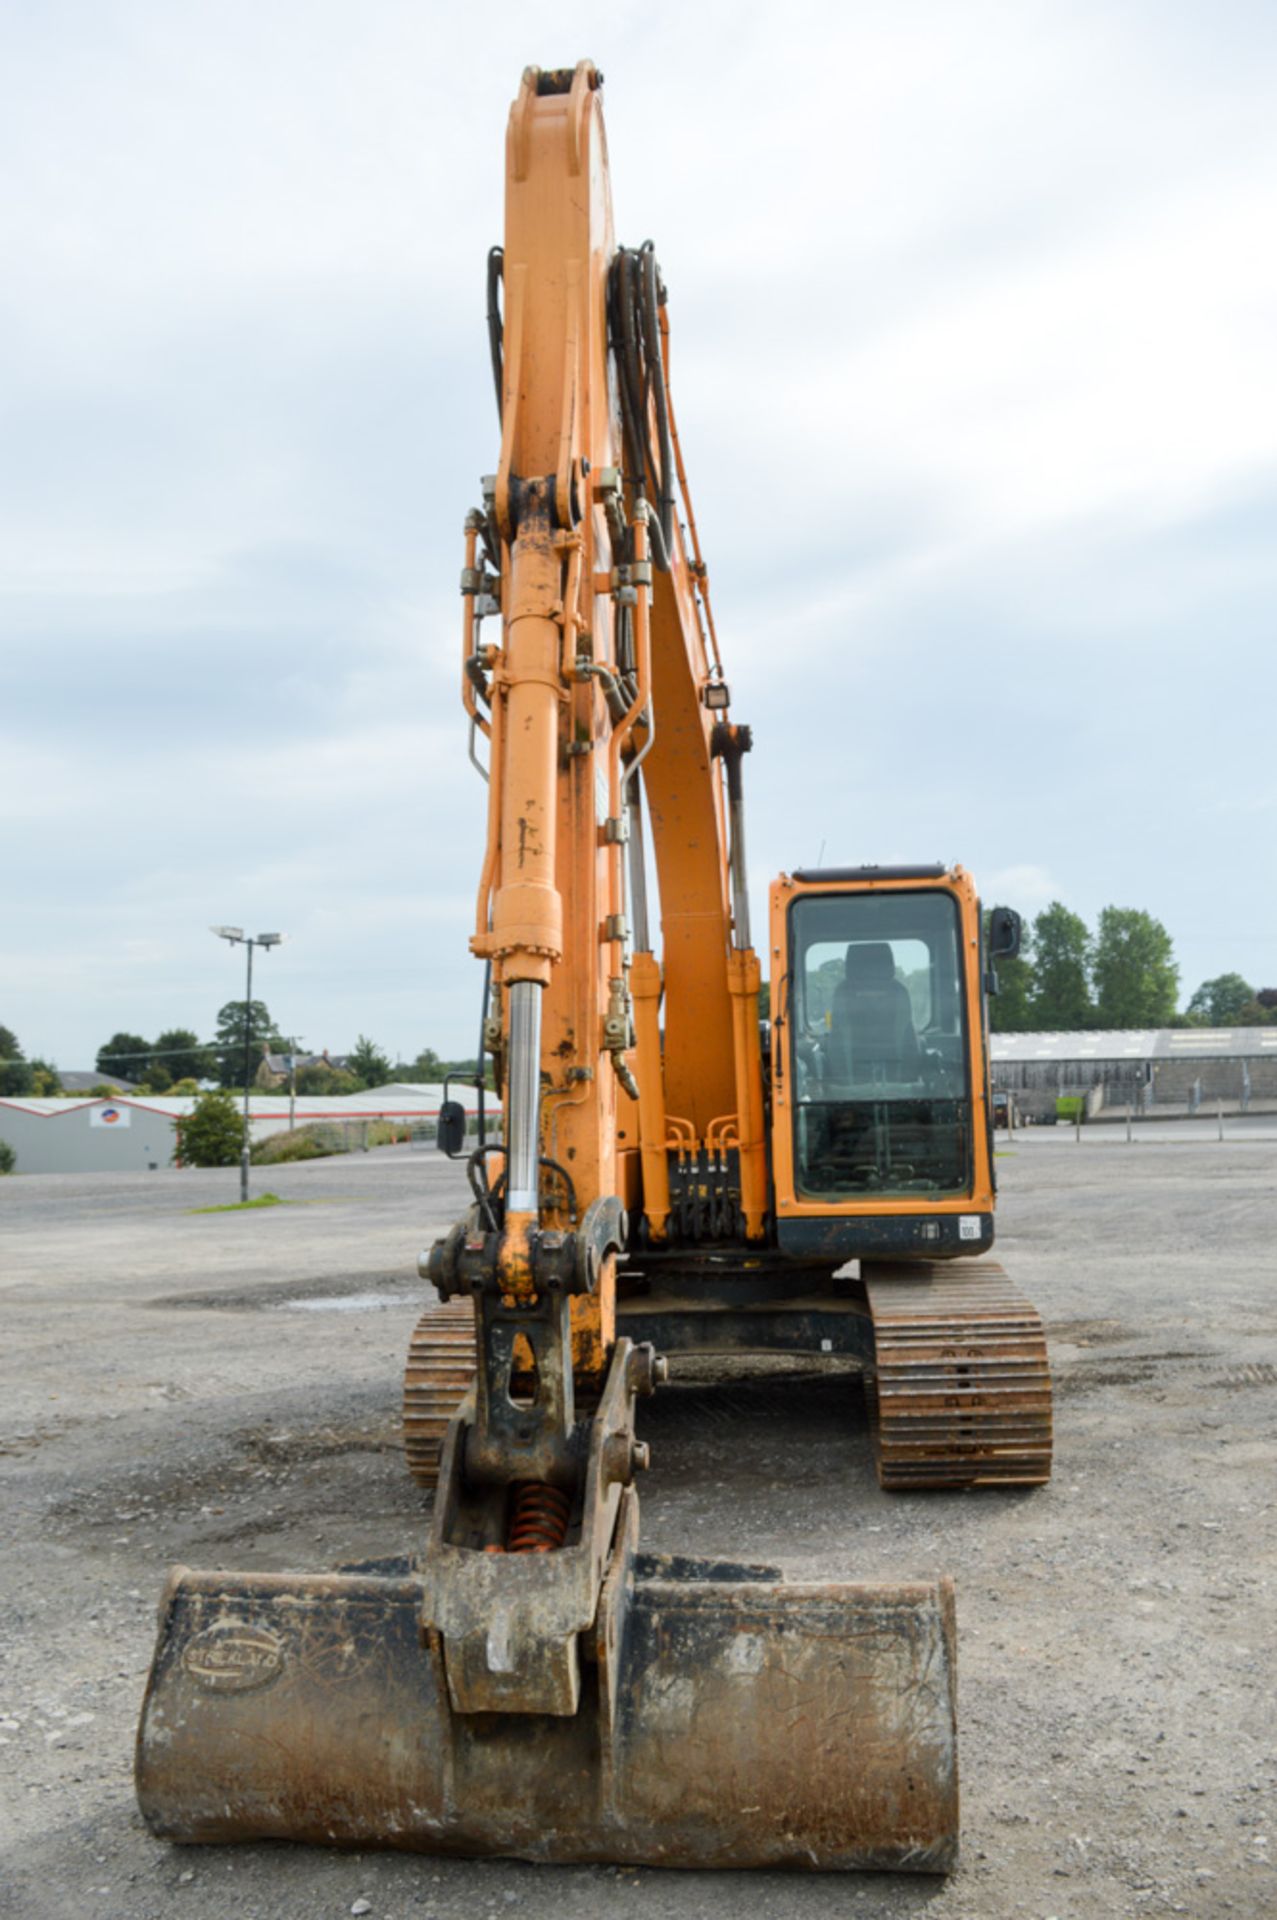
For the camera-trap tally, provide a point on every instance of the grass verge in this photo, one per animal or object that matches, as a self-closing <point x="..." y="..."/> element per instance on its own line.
<point x="243" y="1206"/>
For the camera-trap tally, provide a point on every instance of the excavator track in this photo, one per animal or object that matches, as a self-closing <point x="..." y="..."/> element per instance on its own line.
<point x="960" y="1391"/>
<point x="440" y="1370"/>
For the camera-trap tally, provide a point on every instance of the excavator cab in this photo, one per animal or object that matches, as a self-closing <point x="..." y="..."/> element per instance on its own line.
<point x="880" y="1125"/>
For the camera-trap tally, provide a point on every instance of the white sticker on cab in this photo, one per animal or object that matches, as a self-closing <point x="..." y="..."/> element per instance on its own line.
<point x="968" y="1226"/>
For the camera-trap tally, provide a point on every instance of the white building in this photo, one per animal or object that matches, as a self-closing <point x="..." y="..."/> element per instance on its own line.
<point x="135" y="1133"/>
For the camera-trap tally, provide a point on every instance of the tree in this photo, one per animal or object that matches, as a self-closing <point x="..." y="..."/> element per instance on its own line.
<point x="427" y="1065"/>
<point x="1221" y="1000"/>
<point x="1136" y="979"/>
<point x="158" y="1078"/>
<point x="229" y="1041"/>
<point x="322" y="1079"/>
<point x="179" y="1052"/>
<point x="125" y="1056"/>
<point x="1010" y="1006"/>
<point x="16" y="1073"/>
<point x="1060" y="1000"/>
<point x="370" y="1066"/>
<point x="8" y="1158"/>
<point x="45" y="1083"/>
<point x="1256" y="1014"/>
<point x="212" y="1133"/>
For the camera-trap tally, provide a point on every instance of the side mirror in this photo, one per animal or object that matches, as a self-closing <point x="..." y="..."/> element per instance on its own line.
<point x="450" y="1128"/>
<point x="1005" y="927"/>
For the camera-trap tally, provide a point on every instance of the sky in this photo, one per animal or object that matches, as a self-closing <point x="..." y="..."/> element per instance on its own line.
<point x="973" y="312"/>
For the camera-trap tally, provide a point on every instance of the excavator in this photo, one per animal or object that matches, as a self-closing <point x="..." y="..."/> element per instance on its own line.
<point x="674" y="1175"/>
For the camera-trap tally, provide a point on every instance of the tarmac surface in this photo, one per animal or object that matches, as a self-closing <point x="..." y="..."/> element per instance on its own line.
<point x="221" y="1389"/>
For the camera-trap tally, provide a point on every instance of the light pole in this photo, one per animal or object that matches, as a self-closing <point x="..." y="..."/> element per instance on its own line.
<point x="236" y="936"/>
<point x="293" y="1044"/>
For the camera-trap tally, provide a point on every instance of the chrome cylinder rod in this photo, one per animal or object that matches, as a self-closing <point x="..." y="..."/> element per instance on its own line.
<point x="740" y="878"/>
<point x="638" y="874"/>
<point x="523" y="1086"/>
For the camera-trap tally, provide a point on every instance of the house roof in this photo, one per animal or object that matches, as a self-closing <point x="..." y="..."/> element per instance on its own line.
<point x="278" y="1062"/>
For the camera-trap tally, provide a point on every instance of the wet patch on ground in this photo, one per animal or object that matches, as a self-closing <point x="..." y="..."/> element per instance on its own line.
<point x="327" y="1293"/>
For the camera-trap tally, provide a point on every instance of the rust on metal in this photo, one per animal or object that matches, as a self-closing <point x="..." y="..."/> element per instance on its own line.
<point x="728" y="1720"/>
<point x="439" y="1374"/>
<point x="960" y="1391"/>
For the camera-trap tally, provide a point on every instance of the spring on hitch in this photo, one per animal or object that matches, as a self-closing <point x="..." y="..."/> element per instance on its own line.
<point x="539" y="1520"/>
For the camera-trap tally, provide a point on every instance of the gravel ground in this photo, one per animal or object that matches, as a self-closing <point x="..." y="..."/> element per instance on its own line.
<point x="220" y="1388"/>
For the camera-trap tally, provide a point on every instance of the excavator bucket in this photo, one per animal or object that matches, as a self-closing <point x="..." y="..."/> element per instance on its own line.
<point x="725" y="1719"/>
<point x="586" y="1703"/>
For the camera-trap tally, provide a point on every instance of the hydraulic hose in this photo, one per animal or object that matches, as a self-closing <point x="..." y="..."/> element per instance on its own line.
<point x="496" y="326"/>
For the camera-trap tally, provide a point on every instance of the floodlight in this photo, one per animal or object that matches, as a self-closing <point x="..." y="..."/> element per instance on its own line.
<point x="228" y="933"/>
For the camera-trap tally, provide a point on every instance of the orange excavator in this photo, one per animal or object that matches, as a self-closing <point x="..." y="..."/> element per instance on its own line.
<point x="674" y="1175"/>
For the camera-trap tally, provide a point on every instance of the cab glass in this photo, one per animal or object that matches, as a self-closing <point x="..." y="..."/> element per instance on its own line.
<point x="882" y="1104"/>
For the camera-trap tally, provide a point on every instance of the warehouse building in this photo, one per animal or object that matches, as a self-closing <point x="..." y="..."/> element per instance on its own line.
<point x="1150" y="1069"/>
<point x="138" y="1133"/>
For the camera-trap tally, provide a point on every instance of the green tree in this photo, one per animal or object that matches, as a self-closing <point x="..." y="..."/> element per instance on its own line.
<point x="370" y="1066"/>
<point x="228" y="1044"/>
<point x="179" y="1052"/>
<point x="1256" y="1014"/>
<point x="1221" y="1000"/>
<point x="427" y="1066"/>
<point x="158" y="1078"/>
<point x="322" y="1079"/>
<point x="1010" y="1007"/>
<point x="8" y="1158"/>
<point x="185" y="1086"/>
<point x="1136" y="978"/>
<point x="1060" y="1000"/>
<point x="16" y="1074"/>
<point x="125" y="1056"/>
<point x="212" y="1133"/>
<point x="45" y="1083"/>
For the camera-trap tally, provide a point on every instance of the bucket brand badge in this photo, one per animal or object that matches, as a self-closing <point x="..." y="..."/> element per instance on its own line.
<point x="233" y="1659"/>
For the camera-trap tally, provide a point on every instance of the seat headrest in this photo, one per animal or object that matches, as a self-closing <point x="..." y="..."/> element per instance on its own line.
<point x="870" y="965"/>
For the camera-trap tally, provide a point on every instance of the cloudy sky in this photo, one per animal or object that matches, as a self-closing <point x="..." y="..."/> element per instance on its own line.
<point x="974" y="311"/>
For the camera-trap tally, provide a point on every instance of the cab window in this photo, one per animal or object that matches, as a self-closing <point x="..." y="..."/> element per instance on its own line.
<point x="878" y="1038"/>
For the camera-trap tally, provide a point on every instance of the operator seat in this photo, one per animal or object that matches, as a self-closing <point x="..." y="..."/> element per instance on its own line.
<point x="872" y="1034"/>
